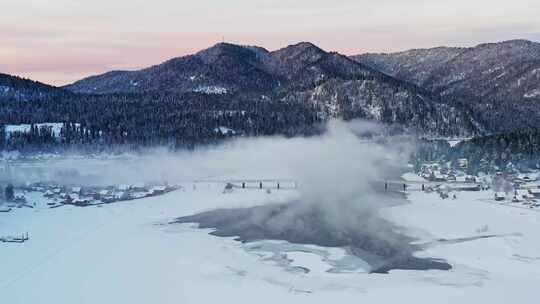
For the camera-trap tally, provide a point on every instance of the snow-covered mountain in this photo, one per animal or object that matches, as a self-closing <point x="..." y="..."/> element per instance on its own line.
<point x="302" y="73"/>
<point x="505" y="70"/>
<point x="487" y="89"/>
<point x="499" y="82"/>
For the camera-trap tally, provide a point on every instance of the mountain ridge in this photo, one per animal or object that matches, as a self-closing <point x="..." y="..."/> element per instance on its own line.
<point x="329" y="84"/>
<point x="23" y="89"/>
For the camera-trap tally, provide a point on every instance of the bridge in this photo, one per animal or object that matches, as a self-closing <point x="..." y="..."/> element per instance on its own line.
<point x="265" y="183"/>
<point x="410" y="185"/>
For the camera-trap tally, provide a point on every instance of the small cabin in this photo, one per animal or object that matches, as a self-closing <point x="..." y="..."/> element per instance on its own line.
<point x="76" y="190"/>
<point x="535" y="192"/>
<point x="158" y="190"/>
<point x="500" y="196"/>
<point x="437" y="177"/>
<point x="521" y="194"/>
<point x="121" y="195"/>
<point x="141" y="187"/>
<point x="123" y="188"/>
<point x="463" y="163"/>
<point x="470" y="179"/>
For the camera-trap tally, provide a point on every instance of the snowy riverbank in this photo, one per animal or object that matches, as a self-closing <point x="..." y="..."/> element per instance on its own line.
<point x="126" y="253"/>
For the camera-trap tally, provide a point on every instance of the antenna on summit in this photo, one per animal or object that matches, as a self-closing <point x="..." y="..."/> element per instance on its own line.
<point x="223" y="39"/>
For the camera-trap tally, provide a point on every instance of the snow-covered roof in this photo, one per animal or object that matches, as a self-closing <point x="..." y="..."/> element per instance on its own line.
<point x="139" y="194"/>
<point x="158" y="188"/>
<point x="139" y="185"/>
<point x="522" y="192"/>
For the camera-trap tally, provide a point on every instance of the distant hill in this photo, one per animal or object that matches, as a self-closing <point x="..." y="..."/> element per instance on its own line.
<point x="488" y="89"/>
<point x="20" y="89"/>
<point x="500" y="82"/>
<point x="505" y="70"/>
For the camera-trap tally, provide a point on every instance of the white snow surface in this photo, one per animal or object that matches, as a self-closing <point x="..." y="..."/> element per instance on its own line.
<point x="412" y="177"/>
<point x="532" y="94"/>
<point x="211" y="90"/>
<point x="56" y="127"/>
<point x="126" y="253"/>
<point x="224" y="130"/>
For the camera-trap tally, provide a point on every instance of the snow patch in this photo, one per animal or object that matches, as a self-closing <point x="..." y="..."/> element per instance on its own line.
<point x="5" y="89"/>
<point x="216" y="90"/>
<point x="532" y="94"/>
<point x="25" y="128"/>
<point x="224" y="130"/>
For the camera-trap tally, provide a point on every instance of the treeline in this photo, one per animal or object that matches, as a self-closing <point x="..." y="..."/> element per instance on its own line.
<point x="519" y="149"/>
<point x="150" y="119"/>
<point x="16" y="88"/>
<point x="506" y="151"/>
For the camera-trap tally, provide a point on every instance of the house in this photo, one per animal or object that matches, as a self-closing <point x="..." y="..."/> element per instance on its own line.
<point x="470" y="179"/>
<point x="124" y="188"/>
<point x="108" y="199"/>
<point x="524" y="179"/>
<point x="535" y="192"/>
<point x="102" y="194"/>
<point x="500" y="196"/>
<point x="76" y="190"/>
<point x="158" y="190"/>
<point x="437" y="177"/>
<point x="121" y="195"/>
<point x="463" y="163"/>
<point x="521" y="195"/>
<point x="79" y="201"/>
<point x="137" y="195"/>
<point x="141" y="187"/>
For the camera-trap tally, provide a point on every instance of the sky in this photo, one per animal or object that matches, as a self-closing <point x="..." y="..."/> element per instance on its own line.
<point x="60" y="41"/>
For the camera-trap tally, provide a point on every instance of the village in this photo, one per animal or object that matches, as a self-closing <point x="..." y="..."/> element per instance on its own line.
<point x="55" y="195"/>
<point x="505" y="186"/>
<point x="51" y="195"/>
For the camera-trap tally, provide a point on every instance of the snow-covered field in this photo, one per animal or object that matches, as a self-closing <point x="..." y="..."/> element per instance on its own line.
<point x="127" y="253"/>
